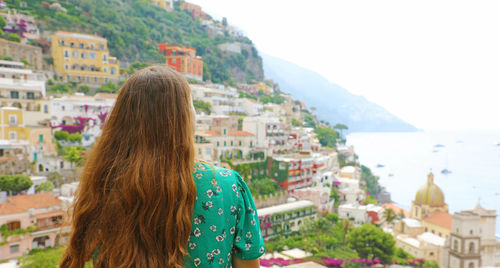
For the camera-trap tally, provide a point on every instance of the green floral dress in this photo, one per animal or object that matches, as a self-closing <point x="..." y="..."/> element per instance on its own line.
<point x="225" y="221"/>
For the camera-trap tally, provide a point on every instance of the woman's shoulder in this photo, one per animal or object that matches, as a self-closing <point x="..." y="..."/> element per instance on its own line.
<point x="204" y="170"/>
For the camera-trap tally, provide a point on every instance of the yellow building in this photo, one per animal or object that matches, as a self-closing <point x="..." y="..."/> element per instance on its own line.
<point x="12" y="125"/>
<point x="83" y="58"/>
<point x="165" y="4"/>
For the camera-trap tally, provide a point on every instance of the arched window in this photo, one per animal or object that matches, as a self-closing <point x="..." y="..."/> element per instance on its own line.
<point x="471" y="247"/>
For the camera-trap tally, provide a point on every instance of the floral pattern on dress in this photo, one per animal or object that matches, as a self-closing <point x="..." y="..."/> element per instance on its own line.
<point x="225" y="222"/>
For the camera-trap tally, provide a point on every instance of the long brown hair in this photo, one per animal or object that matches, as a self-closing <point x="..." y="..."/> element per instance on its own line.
<point x="136" y="195"/>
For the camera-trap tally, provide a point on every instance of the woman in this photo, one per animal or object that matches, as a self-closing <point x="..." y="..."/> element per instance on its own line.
<point x="143" y="201"/>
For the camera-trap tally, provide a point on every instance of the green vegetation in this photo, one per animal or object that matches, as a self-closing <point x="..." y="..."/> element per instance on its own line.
<point x="296" y="123"/>
<point x="327" y="137"/>
<point x="4" y="231"/>
<point x="45" y="258"/>
<point x="84" y="89"/>
<point x="15" y="184"/>
<point x="370" y="200"/>
<point x="371" y="242"/>
<point x="134" y="28"/>
<point x="108" y="88"/>
<point x="135" y="67"/>
<point x="14" y="37"/>
<point x="276" y="98"/>
<point x="309" y="120"/>
<point x="62" y="88"/>
<point x="248" y="95"/>
<point x="202" y="106"/>
<point x="55" y="178"/>
<point x="65" y="136"/>
<point x="73" y="154"/>
<point x="44" y="187"/>
<point x="371" y="181"/>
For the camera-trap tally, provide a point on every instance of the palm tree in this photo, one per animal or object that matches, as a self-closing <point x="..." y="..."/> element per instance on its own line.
<point x="389" y="215"/>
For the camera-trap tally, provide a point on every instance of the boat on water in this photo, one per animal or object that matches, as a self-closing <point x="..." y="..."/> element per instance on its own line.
<point x="390" y="175"/>
<point x="445" y="171"/>
<point x="460" y="141"/>
<point x="496" y="143"/>
<point x="380" y="166"/>
<point x="435" y="151"/>
<point x="439" y="146"/>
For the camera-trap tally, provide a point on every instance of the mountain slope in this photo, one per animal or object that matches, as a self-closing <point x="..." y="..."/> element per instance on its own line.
<point x="333" y="103"/>
<point x="135" y="27"/>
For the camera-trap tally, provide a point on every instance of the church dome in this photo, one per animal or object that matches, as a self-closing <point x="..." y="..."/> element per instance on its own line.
<point x="430" y="194"/>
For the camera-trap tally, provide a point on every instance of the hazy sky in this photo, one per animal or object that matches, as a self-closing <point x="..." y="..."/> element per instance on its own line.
<point x="435" y="64"/>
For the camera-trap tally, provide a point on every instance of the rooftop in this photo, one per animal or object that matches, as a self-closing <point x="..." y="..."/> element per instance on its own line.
<point x="432" y="239"/>
<point x="22" y="203"/>
<point x="239" y="133"/>
<point x="413" y="223"/>
<point x="440" y="218"/>
<point x="80" y="36"/>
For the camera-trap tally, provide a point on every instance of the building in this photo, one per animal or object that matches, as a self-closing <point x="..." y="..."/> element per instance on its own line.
<point x="424" y="246"/>
<point x="300" y="170"/>
<point x="223" y="100"/>
<point x="285" y="218"/>
<point x="18" y="51"/>
<point x="231" y="144"/>
<point x="472" y="242"/>
<point x="38" y="216"/>
<point x="320" y="196"/>
<point x="83" y="58"/>
<point x="270" y="133"/>
<point x="195" y="10"/>
<point x="12" y="125"/>
<point x="183" y="60"/>
<point x="361" y="214"/>
<point x="165" y="4"/>
<point x="24" y="89"/>
<point x="21" y="24"/>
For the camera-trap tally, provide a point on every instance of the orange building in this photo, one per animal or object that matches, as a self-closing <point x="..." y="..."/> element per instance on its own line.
<point x="195" y="10"/>
<point x="183" y="60"/>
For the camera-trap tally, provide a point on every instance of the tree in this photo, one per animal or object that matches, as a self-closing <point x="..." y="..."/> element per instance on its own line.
<point x="371" y="242"/>
<point x="13" y="37"/>
<point x="326" y="136"/>
<point x="370" y="200"/>
<point x="84" y="89"/>
<point x="389" y="215"/>
<point x="61" y="135"/>
<point x="73" y="154"/>
<point x="202" y="106"/>
<point x="15" y="183"/>
<point x="3" y="23"/>
<point x="340" y="128"/>
<point x="75" y="138"/>
<point x="60" y="88"/>
<point x="46" y="186"/>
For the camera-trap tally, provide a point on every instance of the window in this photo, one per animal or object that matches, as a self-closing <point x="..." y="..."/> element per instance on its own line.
<point x="218" y="144"/>
<point x="79" y="78"/>
<point x="13" y="225"/>
<point x="40" y="138"/>
<point x="106" y="79"/>
<point x="239" y="143"/>
<point x="14" y="95"/>
<point x="91" y="46"/>
<point x="455" y="245"/>
<point x="251" y="144"/>
<point x="13" y="120"/>
<point x="14" y="249"/>
<point x="105" y="69"/>
<point x="471" y="247"/>
<point x="66" y="67"/>
<point x="84" y="55"/>
<point x="105" y="57"/>
<point x="45" y="108"/>
<point x="231" y="143"/>
<point x="66" y="54"/>
<point x="95" y="79"/>
<point x="75" y="54"/>
<point x="68" y="77"/>
<point x="225" y="144"/>
<point x="82" y="45"/>
<point x="62" y="42"/>
<point x="101" y="46"/>
<point x="112" y="70"/>
<point x="471" y="232"/>
<point x="93" y="55"/>
<point x="72" y="44"/>
<point x="88" y="79"/>
<point x="208" y="151"/>
<point x="173" y="61"/>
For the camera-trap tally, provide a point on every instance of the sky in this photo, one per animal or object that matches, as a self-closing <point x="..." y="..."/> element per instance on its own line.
<point x="434" y="64"/>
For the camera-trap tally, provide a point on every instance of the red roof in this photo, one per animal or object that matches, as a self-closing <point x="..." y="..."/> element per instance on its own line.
<point x="212" y="133"/>
<point x="397" y="209"/>
<point x="239" y="133"/>
<point x="22" y="203"/>
<point x="440" y="218"/>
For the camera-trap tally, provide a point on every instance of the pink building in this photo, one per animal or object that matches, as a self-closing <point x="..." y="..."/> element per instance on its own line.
<point x="28" y="222"/>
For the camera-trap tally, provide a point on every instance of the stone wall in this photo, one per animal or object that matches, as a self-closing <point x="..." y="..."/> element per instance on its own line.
<point x="270" y="200"/>
<point x="18" y="51"/>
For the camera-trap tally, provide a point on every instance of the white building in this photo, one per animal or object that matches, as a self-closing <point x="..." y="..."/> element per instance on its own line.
<point x="224" y="100"/>
<point x="349" y="191"/>
<point x="361" y="214"/>
<point x="426" y="246"/>
<point x="285" y="218"/>
<point x="269" y="131"/>
<point x="252" y="107"/>
<point x="24" y="89"/>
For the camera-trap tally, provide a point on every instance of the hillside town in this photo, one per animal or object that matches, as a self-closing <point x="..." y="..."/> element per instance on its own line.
<point x="298" y="168"/>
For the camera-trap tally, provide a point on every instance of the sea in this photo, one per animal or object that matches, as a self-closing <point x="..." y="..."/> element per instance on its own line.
<point x="403" y="160"/>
